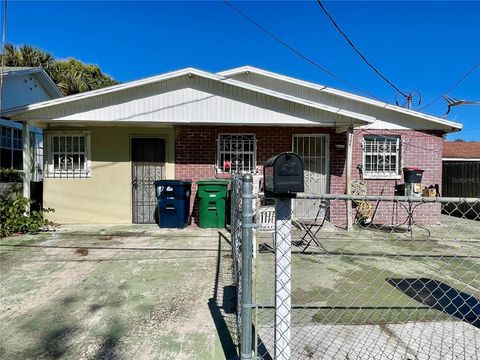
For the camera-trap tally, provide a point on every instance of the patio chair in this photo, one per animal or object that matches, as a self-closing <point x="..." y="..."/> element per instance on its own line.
<point x="311" y="227"/>
<point x="266" y="221"/>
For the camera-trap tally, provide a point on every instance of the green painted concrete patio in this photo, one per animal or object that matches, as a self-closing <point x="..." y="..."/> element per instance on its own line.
<point x="345" y="303"/>
<point x="111" y="292"/>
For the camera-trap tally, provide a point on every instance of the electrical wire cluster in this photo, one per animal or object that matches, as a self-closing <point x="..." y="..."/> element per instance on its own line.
<point x="297" y="52"/>
<point x="410" y="98"/>
<point x="360" y="53"/>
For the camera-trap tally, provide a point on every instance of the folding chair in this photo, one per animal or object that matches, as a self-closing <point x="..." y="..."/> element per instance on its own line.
<point x="307" y="227"/>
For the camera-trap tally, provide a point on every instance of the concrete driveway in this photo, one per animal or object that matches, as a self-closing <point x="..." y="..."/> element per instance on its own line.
<point x="116" y="292"/>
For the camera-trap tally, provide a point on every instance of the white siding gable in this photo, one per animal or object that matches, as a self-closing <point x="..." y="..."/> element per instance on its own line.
<point x="22" y="90"/>
<point x="385" y="117"/>
<point x="188" y="99"/>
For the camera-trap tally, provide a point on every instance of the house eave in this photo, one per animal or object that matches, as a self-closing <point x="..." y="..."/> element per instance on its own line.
<point x="121" y="123"/>
<point x="448" y="126"/>
<point x="460" y="159"/>
<point x="360" y="119"/>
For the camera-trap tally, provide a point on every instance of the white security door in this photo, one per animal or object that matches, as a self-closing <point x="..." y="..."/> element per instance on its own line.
<point x="314" y="150"/>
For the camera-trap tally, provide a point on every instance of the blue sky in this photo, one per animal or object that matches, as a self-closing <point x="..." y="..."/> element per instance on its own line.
<point x="426" y="46"/>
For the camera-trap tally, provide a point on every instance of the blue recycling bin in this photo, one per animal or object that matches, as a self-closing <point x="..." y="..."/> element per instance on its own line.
<point x="173" y="198"/>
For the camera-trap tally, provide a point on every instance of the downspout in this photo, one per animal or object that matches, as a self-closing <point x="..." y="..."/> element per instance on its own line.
<point x="27" y="175"/>
<point x="348" y="171"/>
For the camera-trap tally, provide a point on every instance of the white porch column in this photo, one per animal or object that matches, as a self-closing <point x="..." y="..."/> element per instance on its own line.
<point x="27" y="174"/>
<point x="349" y="176"/>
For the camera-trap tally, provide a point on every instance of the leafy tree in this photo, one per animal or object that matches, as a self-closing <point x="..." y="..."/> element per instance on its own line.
<point x="71" y="76"/>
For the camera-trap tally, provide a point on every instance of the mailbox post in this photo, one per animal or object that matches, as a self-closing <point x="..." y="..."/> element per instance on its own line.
<point x="284" y="178"/>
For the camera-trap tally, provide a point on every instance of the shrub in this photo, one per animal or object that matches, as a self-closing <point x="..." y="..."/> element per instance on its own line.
<point x="10" y="175"/>
<point x="15" y="217"/>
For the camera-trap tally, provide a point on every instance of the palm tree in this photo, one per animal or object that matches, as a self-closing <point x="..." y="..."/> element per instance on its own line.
<point x="71" y="76"/>
<point x="27" y="55"/>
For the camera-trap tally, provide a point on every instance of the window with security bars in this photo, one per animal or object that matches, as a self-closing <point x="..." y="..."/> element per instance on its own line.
<point x="68" y="155"/>
<point x="236" y="153"/>
<point x="11" y="148"/>
<point x="381" y="156"/>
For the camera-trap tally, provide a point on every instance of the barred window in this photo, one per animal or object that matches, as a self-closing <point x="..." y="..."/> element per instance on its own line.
<point x="68" y="155"/>
<point x="236" y="153"/>
<point x="381" y="156"/>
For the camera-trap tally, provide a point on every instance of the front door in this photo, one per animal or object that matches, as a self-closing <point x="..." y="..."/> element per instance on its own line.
<point x="148" y="165"/>
<point x="313" y="149"/>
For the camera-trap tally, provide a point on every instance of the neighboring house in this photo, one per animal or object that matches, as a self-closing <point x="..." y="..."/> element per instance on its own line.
<point x="461" y="169"/>
<point x="105" y="147"/>
<point x="22" y="86"/>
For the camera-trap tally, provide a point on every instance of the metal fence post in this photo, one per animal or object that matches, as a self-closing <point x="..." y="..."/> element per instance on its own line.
<point x="247" y="234"/>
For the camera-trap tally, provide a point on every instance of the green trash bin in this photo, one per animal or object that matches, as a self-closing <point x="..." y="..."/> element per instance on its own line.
<point x="212" y="200"/>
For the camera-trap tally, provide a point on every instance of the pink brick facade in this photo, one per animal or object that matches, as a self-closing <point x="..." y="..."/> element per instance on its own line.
<point x="195" y="148"/>
<point x="195" y="155"/>
<point x="418" y="148"/>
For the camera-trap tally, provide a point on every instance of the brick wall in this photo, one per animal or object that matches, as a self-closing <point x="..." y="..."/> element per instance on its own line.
<point x="195" y="153"/>
<point x="195" y="148"/>
<point x="418" y="148"/>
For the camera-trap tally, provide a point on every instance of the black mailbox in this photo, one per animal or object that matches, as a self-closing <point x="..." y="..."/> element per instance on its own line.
<point x="283" y="175"/>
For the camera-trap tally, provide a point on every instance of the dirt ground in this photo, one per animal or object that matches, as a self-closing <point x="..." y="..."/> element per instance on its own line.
<point x="116" y="292"/>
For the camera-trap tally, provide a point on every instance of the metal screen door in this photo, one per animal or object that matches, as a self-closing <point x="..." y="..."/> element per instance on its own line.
<point x="314" y="150"/>
<point x="148" y="165"/>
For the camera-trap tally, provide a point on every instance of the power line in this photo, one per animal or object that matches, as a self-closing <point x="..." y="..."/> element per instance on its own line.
<point x="453" y="86"/>
<point x="295" y="51"/>
<point x="358" y="51"/>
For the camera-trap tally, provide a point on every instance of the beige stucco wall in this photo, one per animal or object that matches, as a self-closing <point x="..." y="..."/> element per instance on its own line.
<point x="106" y="196"/>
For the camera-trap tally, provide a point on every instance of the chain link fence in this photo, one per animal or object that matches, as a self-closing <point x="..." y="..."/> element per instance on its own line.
<point x="236" y="237"/>
<point x="402" y="283"/>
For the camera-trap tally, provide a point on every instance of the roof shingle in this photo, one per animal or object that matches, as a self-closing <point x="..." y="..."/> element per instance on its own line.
<point x="461" y="150"/>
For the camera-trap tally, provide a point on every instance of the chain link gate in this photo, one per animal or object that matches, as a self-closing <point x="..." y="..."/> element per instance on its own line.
<point x="403" y="284"/>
